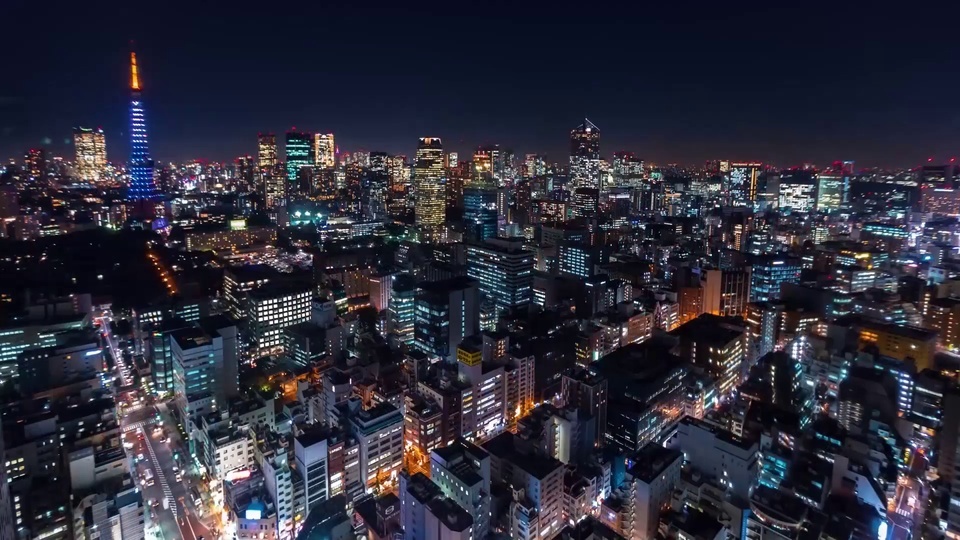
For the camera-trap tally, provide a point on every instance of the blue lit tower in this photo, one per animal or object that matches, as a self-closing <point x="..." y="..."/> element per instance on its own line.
<point x="142" y="188"/>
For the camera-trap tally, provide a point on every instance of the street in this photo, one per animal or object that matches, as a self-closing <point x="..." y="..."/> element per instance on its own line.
<point x="177" y="518"/>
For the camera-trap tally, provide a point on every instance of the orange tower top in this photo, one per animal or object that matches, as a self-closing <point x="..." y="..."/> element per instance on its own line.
<point x="134" y="74"/>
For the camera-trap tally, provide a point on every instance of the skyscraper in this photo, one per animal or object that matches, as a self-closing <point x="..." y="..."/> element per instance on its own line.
<point x="267" y="152"/>
<point x="91" y="150"/>
<point x="741" y="180"/>
<point x="142" y="187"/>
<point x="299" y="150"/>
<point x="35" y="163"/>
<point x="430" y="186"/>
<point x="585" y="155"/>
<point x="272" y="181"/>
<point x="324" y="150"/>
<point x="504" y="271"/>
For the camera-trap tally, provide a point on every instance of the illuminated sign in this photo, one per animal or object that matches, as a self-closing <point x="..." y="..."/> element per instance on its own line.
<point x="238" y="224"/>
<point x="253" y="513"/>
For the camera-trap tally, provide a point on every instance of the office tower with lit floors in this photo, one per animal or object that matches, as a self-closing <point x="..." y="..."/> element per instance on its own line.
<point x="430" y="188"/>
<point x="142" y="190"/>
<point x="272" y="182"/>
<point x="91" y="153"/>
<point x="585" y="156"/>
<point x="324" y="151"/>
<point x="299" y="154"/>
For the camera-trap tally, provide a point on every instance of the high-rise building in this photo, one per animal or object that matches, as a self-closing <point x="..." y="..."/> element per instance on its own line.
<point x="798" y="190"/>
<point x="627" y="169"/>
<point x="585" y="156"/>
<point x="429" y="187"/>
<point x="90" y="146"/>
<point x="768" y="273"/>
<point x="142" y="187"/>
<point x="453" y="160"/>
<point x="833" y="188"/>
<point x="401" y="308"/>
<point x="324" y="150"/>
<point x="726" y="292"/>
<point x="273" y="182"/>
<point x="715" y="345"/>
<point x="35" y="163"/>
<point x="741" y="180"/>
<point x="504" y="271"/>
<point x="272" y="308"/>
<point x="479" y="213"/>
<point x="299" y="152"/>
<point x="534" y="165"/>
<point x="446" y="312"/>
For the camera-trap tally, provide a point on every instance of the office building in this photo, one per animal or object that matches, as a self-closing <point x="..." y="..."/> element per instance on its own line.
<point x="429" y="187"/>
<point x="797" y="194"/>
<point x="324" y="150"/>
<point x="479" y="213"/>
<point x="462" y="472"/>
<point x="587" y="392"/>
<point x="91" y="153"/>
<point x="272" y="308"/>
<point x="379" y="433"/>
<point x="726" y="292"/>
<point x="833" y="187"/>
<point x="445" y="313"/>
<point x="585" y="156"/>
<point x="142" y="187"/>
<point x="768" y="273"/>
<point x="427" y="514"/>
<point x="422" y="431"/>
<point x="741" y="180"/>
<point x="273" y="183"/>
<point x="633" y="510"/>
<point x="299" y="154"/>
<point x="585" y="202"/>
<point x="239" y="280"/>
<point x="943" y="315"/>
<point x="715" y="345"/>
<point x="580" y="260"/>
<point x="197" y="369"/>
<point x="504" y="272"/>
<point x="535" y="478"/>
<point x="718" y="453"/>
<point x="402" y="308"/>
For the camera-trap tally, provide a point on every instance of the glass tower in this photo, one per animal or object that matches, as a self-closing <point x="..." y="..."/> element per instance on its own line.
<point x="142" y="186"/>
<point x="299" y="151"/>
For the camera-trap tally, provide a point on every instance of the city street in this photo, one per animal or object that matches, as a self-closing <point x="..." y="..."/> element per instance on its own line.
<point x="177" y="518"/>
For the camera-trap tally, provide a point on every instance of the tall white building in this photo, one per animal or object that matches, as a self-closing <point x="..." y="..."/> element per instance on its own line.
<point x="462" y="471"/>
<point x="585" y="156"/>
<point x="379" y="432"/>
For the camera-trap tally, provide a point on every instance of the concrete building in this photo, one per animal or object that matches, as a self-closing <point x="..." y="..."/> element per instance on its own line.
<point x="272" y="308"/>
<point x="462" y="472"/>
<point x="718" y="454"/>
<point x="446" y="312"/>
<point x="537" y="483"/>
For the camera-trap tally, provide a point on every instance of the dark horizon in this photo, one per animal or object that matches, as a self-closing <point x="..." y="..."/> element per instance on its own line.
<point x="769" y="85"/>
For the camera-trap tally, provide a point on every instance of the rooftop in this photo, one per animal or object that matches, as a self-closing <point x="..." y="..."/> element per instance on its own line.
<point x="652" y="460"/>
<point x="504" y="446"/>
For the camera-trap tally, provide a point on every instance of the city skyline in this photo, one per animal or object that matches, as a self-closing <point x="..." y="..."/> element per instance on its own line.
<point x="672" y="102"/>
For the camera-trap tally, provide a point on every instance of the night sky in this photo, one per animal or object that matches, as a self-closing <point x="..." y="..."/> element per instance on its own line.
<point x="673" y="84"/>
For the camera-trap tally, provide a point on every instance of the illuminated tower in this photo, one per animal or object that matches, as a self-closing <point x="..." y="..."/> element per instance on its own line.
<point x="585" y="155"/>
<point x="324" y="150"/>
<point x="142" y="188"/>
<point x="429" y="186"/>
<point x="91" y="151"/>
<point x="272" y="180"/>
<point x="299" y="150"/>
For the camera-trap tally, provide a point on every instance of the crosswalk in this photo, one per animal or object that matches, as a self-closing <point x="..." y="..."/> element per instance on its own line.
<point x="135" y="425"/>
<point x="167" y="494"/>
